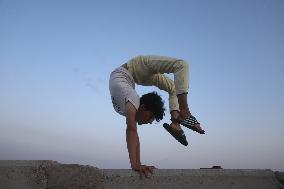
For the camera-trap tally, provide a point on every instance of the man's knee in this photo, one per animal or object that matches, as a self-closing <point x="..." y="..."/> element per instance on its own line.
<point x="181" y="64"/>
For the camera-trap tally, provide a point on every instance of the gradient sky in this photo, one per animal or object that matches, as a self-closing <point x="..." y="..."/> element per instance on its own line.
<point x="56" y="57"/>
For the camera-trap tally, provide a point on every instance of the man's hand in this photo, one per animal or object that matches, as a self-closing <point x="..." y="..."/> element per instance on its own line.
<point x="143" y="169"/>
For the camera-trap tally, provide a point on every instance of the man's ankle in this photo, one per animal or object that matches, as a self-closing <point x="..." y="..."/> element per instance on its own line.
<point x="185" y="113"/>
<point x="175" y="126"/>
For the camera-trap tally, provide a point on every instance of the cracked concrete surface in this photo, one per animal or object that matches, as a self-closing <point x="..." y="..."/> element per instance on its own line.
<point x="47" y="175"/>
<point x="53" y="175"/>
<point x="24" y="174"/>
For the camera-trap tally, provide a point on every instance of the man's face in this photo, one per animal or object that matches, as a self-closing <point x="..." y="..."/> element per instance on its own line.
<point x="144" y="116"/>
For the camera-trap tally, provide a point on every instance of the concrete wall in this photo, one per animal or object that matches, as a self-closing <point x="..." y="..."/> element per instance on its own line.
<point x="53" y="175"/>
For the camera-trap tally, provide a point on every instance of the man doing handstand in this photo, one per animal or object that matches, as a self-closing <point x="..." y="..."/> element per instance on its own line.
<point x="150" y="71"/>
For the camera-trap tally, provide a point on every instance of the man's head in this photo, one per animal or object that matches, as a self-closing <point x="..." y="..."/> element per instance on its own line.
<point x="151" y="107"/>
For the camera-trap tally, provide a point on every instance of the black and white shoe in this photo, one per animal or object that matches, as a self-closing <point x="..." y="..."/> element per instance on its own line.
<point x="191" y="123"/>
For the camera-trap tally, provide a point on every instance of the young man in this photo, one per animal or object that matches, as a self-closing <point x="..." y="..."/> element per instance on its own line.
<point x="149" y="71"/>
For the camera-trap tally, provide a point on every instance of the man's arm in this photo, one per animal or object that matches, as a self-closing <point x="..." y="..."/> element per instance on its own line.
<point x="138" y="151"/>
<point x="132" y="135"/>
<point x="133" y="143"/>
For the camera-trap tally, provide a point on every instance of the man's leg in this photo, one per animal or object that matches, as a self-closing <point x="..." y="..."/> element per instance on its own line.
<point x="183" y="105"/>
<point x="181" y="80"/>
<point x="181" y="84"/>
<point x="175" y="125"/>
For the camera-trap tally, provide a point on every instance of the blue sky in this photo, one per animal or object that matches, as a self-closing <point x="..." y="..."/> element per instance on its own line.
<point x="56" y="57"/>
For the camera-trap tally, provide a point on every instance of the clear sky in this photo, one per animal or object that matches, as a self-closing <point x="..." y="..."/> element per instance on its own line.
<point x="56" y="57"/>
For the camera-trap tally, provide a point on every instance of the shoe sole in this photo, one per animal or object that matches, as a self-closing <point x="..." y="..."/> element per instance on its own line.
<point x="176" y="134"/>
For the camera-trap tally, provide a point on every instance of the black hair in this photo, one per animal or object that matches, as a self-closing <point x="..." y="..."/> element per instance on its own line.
<point x="154" y="103"/>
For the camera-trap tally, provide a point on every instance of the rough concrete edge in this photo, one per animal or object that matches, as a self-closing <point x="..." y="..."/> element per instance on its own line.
<point x="280" y="177"/>
<point x="113" y="174"/>
<point x="86" y="172"/>
<point x="42" y="168"/>
<point x="191" y="172"/>
<point x="37" y="168"/>
<point x="31" y="163"/>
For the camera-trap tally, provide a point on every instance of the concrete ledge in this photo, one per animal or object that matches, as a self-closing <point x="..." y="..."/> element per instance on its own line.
<point x="53" y="175"/>
<point x="207" y="178"/>
<point x="280" y="177"/>
<point x="24" y="174"/>
<point x="47" y="175"/>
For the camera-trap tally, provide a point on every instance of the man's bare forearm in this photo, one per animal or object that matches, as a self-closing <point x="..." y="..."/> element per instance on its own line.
<point x="138" y="151"/>
<point x="132" y="143"/>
